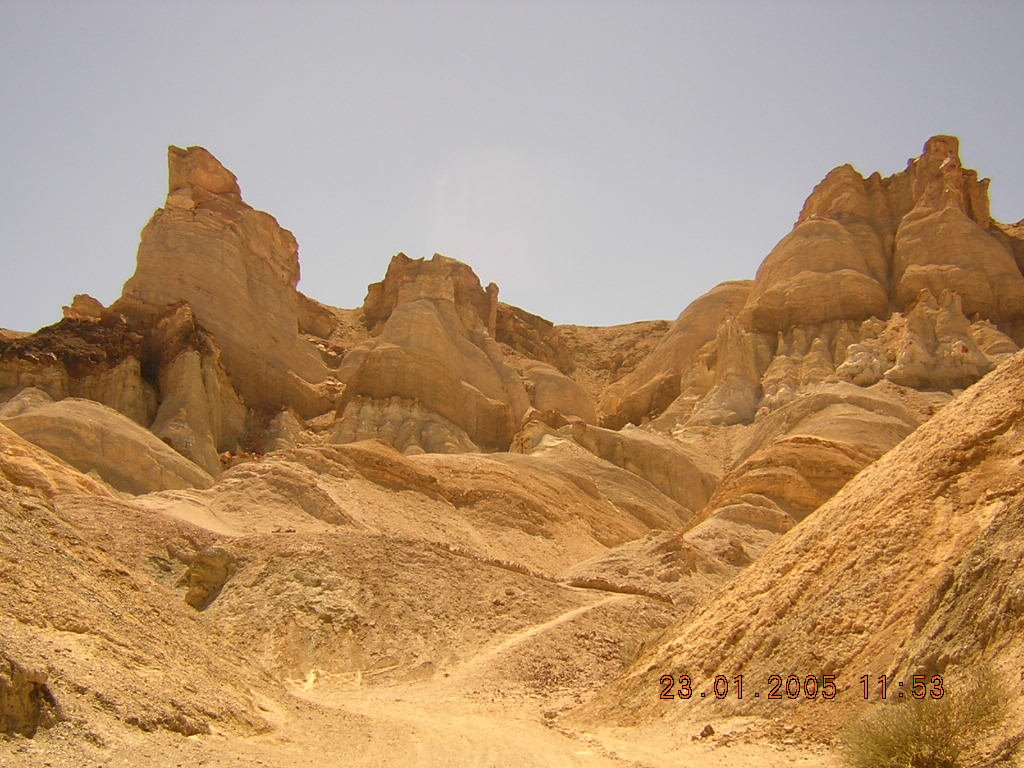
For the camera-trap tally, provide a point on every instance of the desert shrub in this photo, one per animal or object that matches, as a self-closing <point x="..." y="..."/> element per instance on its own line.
<point x="933" y="733"/>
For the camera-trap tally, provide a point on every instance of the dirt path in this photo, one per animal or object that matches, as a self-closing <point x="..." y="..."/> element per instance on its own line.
<point x="437" y="722"/>
<point x="473" y="666"/>
<point x="466" y="717"/>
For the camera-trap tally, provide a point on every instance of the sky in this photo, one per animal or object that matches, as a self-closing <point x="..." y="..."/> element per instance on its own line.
<point x="602" y="162"/>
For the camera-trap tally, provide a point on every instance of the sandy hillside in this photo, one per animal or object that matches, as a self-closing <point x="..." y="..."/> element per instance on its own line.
<point x="914" y="567"/>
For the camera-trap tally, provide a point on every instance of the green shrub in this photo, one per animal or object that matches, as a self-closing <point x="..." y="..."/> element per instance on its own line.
<point x="931" y="733"/>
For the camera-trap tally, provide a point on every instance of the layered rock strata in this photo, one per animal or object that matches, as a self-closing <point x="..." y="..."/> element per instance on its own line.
<point x="237" y="269"/>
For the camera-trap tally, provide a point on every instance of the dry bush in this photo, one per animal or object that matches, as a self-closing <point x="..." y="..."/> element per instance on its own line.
<point x="930" y="733"/>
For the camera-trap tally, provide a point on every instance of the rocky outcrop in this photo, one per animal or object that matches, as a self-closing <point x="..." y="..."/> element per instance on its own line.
<point x="662" y="564"/>
<point x="656" y="381"/>
<point x="208" y="571"/>
<point x="532" y="337"/>
<point x="439" y="279"/>
<point x="935" y="347"/>
<point x="238" y="270"/>
<point x="200" y="414"/>
<point x="678" y="471"/>
<point x="830" y="267"/>
<point x="84" y="307"/>
<point x="94" y="438"/>
<point x="862" y="247"/>
<point x="626" y="490"/>
<point x="402" y="423"/>
<point x="740" y="358"/>
<point x="315" y="319"/>
<point x="603" y="355"/>
<point x="779" y="470"/>
<point x="551" y="391"/>
<point x="26" y="466"/>
<point x="285" y="430"/>
<point x="905" y="278"/>
<point x="84" y="355"/>
<point x="434" y="345"/>
<point x="26" y="703"/>
<point x="799" y="455"/>
<point x="946" y="242"/>
<point x="164" y="372"/>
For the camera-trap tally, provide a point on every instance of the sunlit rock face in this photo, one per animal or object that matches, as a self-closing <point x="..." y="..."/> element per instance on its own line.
<point x="434" y="346"/>
<point x="946" y="240"/>
<point x="862" y="247"/>
<point x="661" y="377"/>
<point x="905" y="278"/>
<point x="237" y="268"/>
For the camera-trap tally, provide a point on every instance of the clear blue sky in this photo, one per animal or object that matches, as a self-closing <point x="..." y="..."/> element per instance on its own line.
<point x="602" y="162"/>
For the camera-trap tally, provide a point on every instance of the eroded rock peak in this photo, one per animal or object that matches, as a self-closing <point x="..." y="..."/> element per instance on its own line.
<point x="197" y="167"/>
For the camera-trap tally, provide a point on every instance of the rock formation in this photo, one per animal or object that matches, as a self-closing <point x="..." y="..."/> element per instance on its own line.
<point x="878" y="577"/>
<point x="237" y="269"/>
<point x="864" y="246"/>
<point x="82" y="356"/>
<point x="532" y="337"/>
<point x="226" y="507"/>
<point x="26" y="704"/>
<point x="200" y="414"/>
<point x="94" y="438"/>
<point x="434" y="345"/>
<point x="862" y="256"/>
<point x="652" y="386"/>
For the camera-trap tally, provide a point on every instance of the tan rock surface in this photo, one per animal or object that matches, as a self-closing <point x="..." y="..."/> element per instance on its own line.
<point x="402" y="423"/>
<point x="26" y="400"/>
<point x="437" y="279"/>
<point x="741" y="358"/>
<point x="533" y="337"/>
<point x="655" y="382"/>
<point x="877" y="578"/>
<point x="825" y="269"/>
<point x="602" y="356"/>
<point x="680" y="471"/>
<point x="84" y="307"/>
<point x="558" y="455"/>
<point x="862" y="246"/>
<point x="200" y="414"/>
<point x="541" y="513"/>
<point x="95" y="359"/>
<point x="777" y="471"/>
<point x="551" y="390"/>
<point x="936" y="348"/>
<point x="434" y="346"/>
<point x="238" y="270"/>
<point x="945" y="242"/>
<point x="24" y="465"/>
<point x="94" y="438"/>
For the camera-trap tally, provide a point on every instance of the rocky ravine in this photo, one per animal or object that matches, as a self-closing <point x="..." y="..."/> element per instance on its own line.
<point x="218" y="466"/>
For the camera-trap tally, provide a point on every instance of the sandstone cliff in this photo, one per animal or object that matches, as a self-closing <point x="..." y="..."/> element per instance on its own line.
<point x="434" y="345"/>
<point x="905" y="277"/>
<point x="237" y="269"/>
